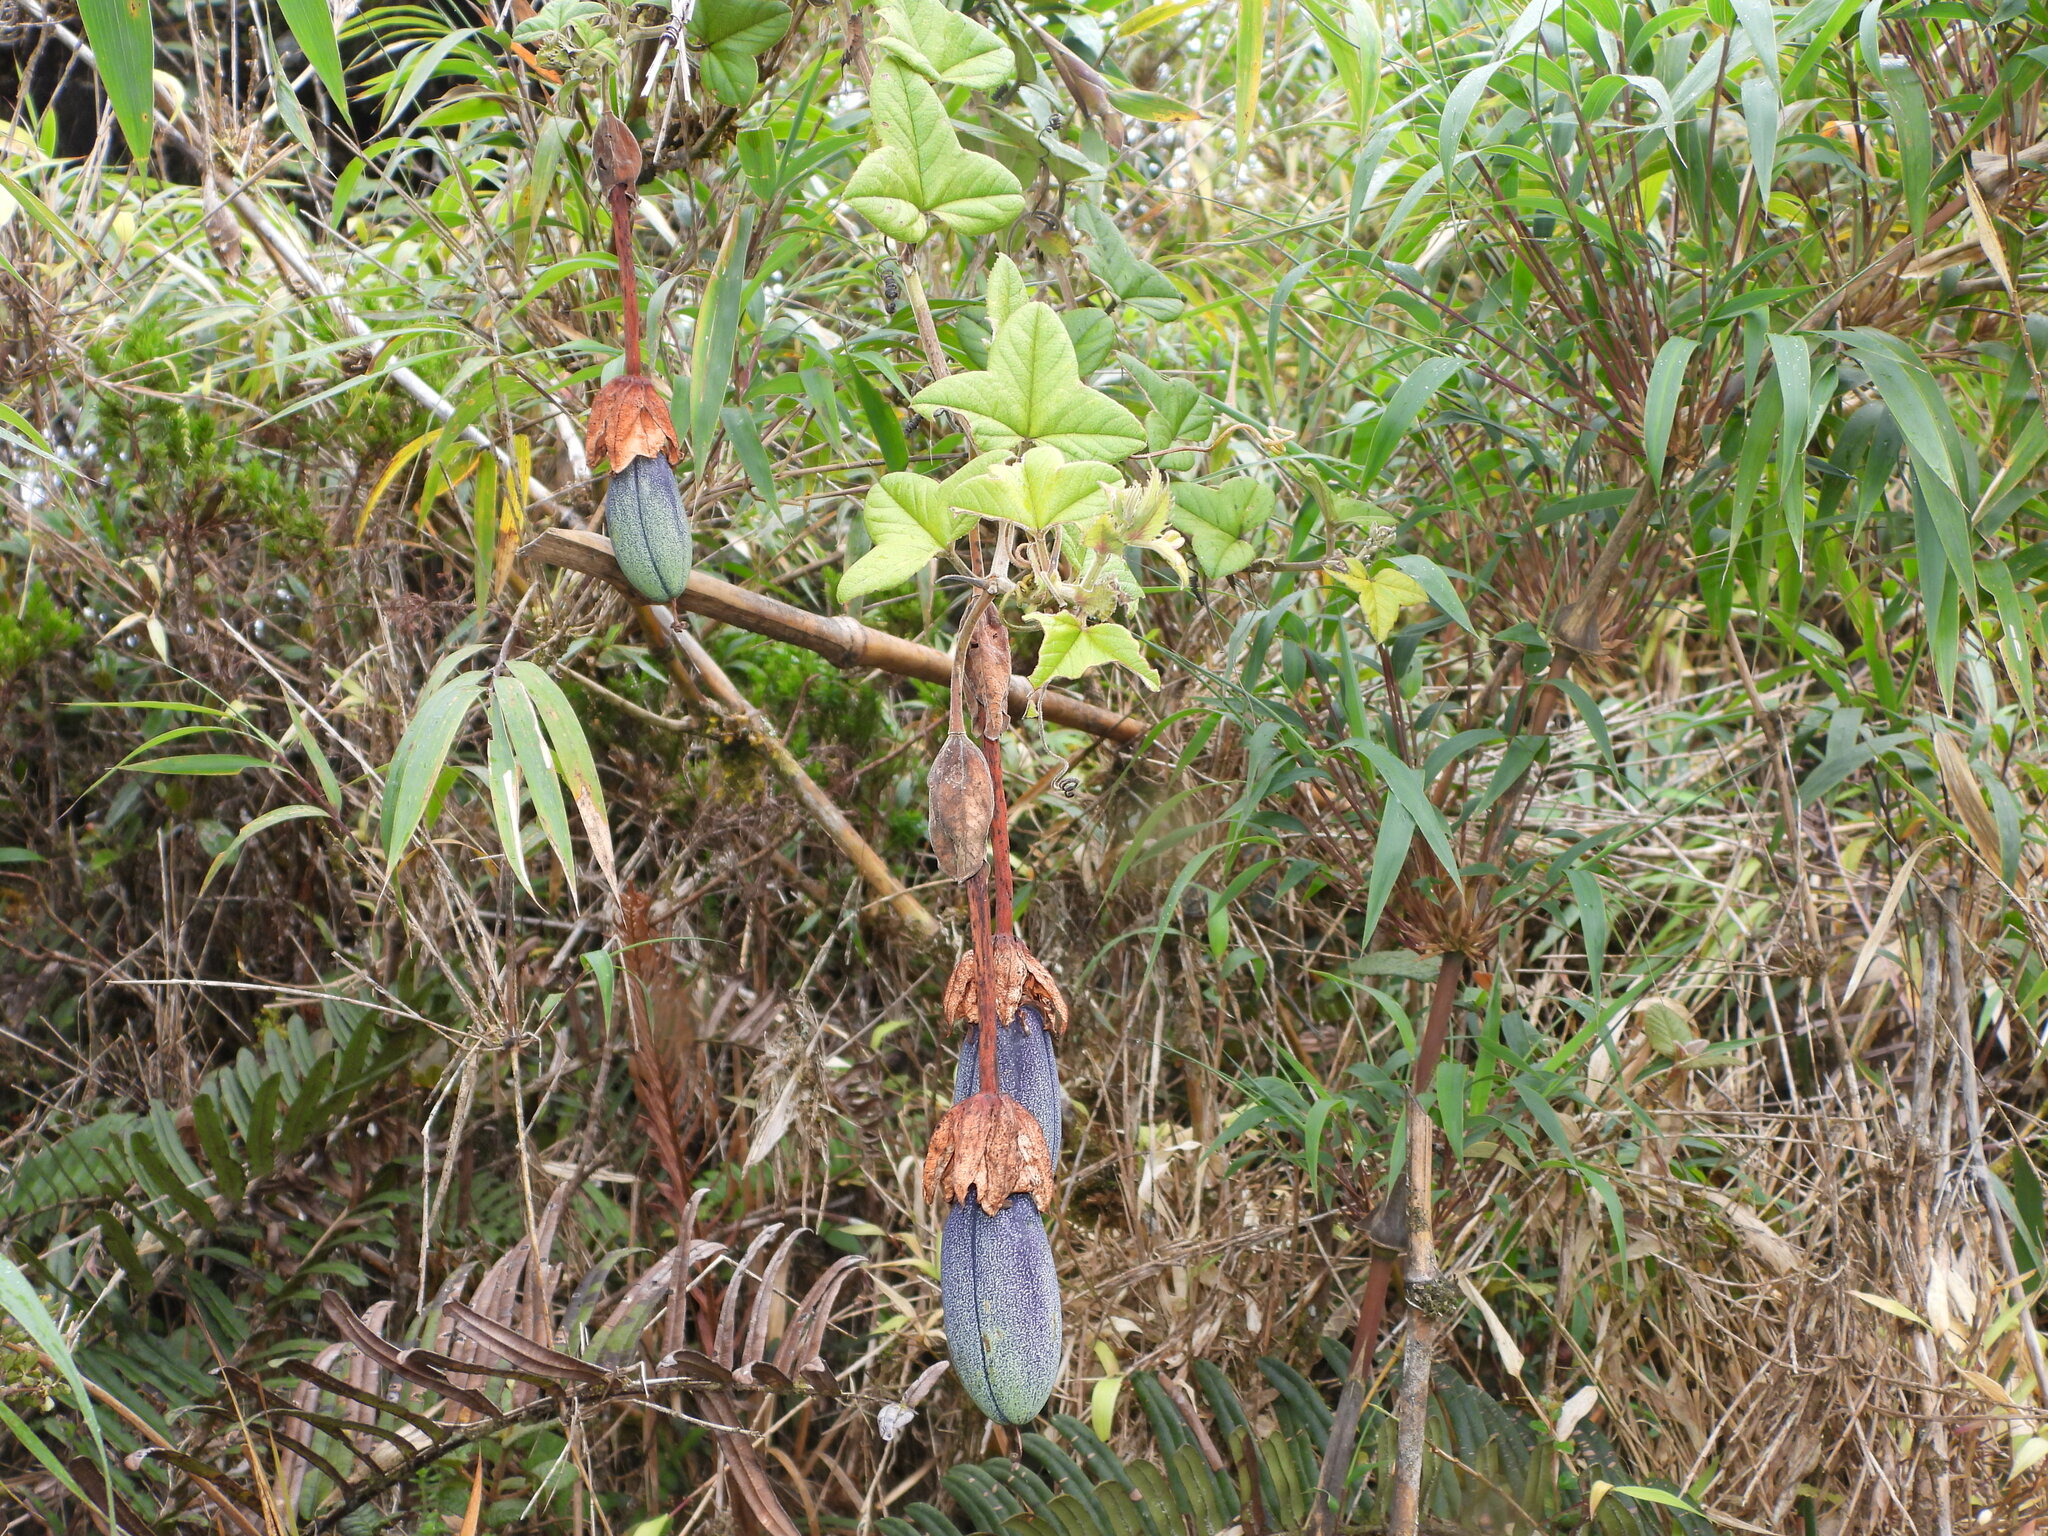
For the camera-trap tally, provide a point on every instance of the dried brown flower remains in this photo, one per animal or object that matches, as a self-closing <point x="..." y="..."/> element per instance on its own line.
<point x="987" y="1149"/>
<point x="1018" y="977"/>
<point x="630" y="420"/>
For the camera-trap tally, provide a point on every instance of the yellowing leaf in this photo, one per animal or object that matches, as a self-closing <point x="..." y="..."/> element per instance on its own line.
<point x="1072" y="649"/>
<point x="1381" y="595"/>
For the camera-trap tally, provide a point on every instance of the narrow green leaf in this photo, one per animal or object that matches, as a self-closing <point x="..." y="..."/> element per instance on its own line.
<point x="416" y="765"/>
<point x="1914" y="129"/>
<point x="573" y="761"/>
<point x="123" y="39"/>
<point x="1408" y="790"/>
<point x="312" y="23"/>
<point x="1794" y="360"/>
<point x="233" y="852"/>
<point x="1660" y="402"/>
<point x="514" y="710"/>
<point x="1457" y="114"/>
<point x="1251" y="60"/>
<point x="718" y="327"/>
<point x="1402" y="409"/>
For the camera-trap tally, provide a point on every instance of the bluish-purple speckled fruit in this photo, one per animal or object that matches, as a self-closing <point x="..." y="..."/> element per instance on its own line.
<point x="649" y="528"/>
<point x="1002" y="1300"/>
<point x="1025" y="1070"/>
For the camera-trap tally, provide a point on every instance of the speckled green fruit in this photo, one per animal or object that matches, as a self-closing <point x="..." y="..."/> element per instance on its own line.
<point x="650" y="531"/>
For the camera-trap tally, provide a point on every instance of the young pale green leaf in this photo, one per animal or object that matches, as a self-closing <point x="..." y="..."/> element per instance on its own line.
<point x="123" y="40"/>
<point x="911" y="518"/>
<point x="1007" y="291"/>
<point x="1138" y="284"/>
<point x="416" y="765"/>
<point x="947" y="48"/>
<point x="268" y="819"/>
<point x="573" y="761"/>
<point x="1039" y="491"/>
<point x="1457" y="113"/>
<point x="1760" y="116"/>
<point x="918" y="172"/>
<point x="1793" y="357"/>
<point x="1072" y="649"/>
<point x="20" y="1301"/>
<point x="728" y="36"/>
<point x="1660" y="402"/>
<point x="1222" y="522"/>
<point x="1032" y="390"/>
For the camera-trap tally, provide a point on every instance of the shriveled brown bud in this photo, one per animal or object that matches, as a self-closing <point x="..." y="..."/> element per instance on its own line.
<point x="986" y="676"/>
<point x="962" y="806"/>
<point x="987" y="1149"/>
<point x="1019" y="978"/>
<point x="614" y="155"/>
<point x="629" y="420"/>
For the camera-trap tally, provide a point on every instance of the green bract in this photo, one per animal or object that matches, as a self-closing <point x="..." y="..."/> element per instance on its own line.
<point x="919" y="172"/>
<point x="929" y="38"/>
<point x="1222" y="521"/>
<point x="1071" y="648"/>
<point x="910" y="518"/>
<point x="1032" y="391"/>
<point x="1039" y="491"/>
<point x="728" y="36"/>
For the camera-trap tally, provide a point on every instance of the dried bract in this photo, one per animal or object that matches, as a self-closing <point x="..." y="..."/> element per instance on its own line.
<point x="986" y="1150"/>
<point x="1019" y="978"/>
<point x="630" y="420"/>
<point x="614" y="155"/>
<point x="962" y="806"/>
<point x="986" y="676"/>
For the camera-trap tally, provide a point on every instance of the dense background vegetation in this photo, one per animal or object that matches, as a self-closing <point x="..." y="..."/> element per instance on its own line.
<point x="1682" y="358"/>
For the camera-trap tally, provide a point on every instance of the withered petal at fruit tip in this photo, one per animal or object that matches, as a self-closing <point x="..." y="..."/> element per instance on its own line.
<point x="1019" y="978"/>
<point x="630" y="420"/>
<point x="987" y="1149"/>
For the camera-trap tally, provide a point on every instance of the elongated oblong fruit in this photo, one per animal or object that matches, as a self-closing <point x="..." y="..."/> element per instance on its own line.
<point x="962" y="806"/>
<point x="1001" y="1295"/>
<point x="643" y="512"/>
<point x="1024" y="1066"/>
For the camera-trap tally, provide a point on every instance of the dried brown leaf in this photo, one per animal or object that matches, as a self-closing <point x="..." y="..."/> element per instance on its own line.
<point x="986" y="676"/>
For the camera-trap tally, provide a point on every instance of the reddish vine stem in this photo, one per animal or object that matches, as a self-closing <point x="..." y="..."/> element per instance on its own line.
<point x="999" y="839"/>
<point x="622" y="199"/>
<point x="984" y="980"/>
<point x="1343" y="1436"/>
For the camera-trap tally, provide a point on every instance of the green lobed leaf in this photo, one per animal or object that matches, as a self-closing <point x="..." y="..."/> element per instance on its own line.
<point x="1140" y="285"/>
<point x="937" y="42"/>
<point x="1073" y="649"/>
<point x="728" y="36"/>
<point x="1040" y="491"/>
<point x="1032" y="390"/>
<point x="1220" y="521"/>
<point x="911" y="519"/>
<point x="918" y="171"/>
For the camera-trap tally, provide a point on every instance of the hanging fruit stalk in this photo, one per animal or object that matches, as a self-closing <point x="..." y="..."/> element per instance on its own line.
<point x="630" y="426"/>
<point x="993" y="1153"/>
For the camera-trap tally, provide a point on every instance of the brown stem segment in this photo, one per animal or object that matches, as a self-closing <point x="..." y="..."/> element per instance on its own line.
<point x="1343" y="1437"/>
<point x="984" y="981"/>
<point x="999" y="840"/>
<point x="622" y="199"/>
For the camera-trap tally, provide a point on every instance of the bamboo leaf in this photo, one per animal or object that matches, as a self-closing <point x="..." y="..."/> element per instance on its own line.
<point x="1660" y="402"/>
<point x="123" y="38"/>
